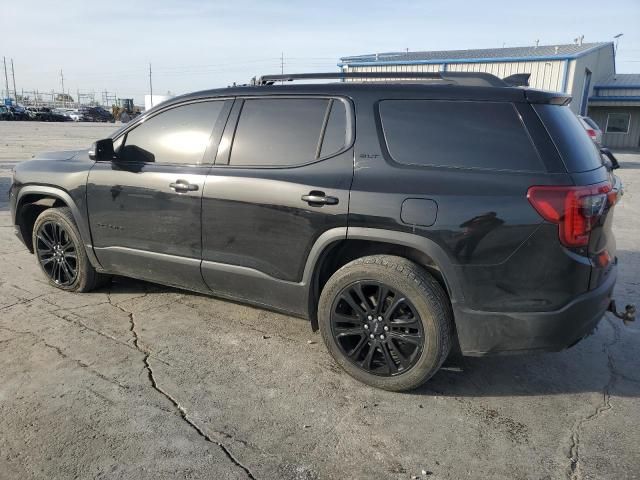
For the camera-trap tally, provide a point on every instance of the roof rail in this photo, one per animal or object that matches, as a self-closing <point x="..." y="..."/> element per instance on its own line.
<point x="474" y="79"/>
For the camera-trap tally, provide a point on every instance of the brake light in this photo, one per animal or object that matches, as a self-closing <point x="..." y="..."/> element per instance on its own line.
<point x="575" y="210"/>
<point x="591" y="132"/>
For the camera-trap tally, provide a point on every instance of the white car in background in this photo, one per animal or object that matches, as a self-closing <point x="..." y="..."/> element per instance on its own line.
<point x="592" y="129"/>
<point x="75" y="115"/>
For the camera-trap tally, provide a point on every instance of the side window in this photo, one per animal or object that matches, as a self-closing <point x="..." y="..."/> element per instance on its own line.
<point x="618" y="122"/>
<point x="335" y="134"/>
<point x="179" y="135"/>
<point x="287" y="131"/>
<point x="459" y="134"/>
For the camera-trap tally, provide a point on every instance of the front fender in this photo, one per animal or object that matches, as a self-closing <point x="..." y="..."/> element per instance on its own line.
<point x="79" y="215"/>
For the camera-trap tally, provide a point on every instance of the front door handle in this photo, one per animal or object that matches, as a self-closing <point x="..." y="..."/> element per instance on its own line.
<point x="317" y="199"/>
<point x="182" y="186"/>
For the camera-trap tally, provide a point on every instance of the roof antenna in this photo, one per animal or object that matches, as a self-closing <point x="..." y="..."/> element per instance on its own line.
<point x="580" y="39"/>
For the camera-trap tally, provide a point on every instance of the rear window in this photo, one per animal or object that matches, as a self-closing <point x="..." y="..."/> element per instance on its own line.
<point x="591" y="123"/>
<point x="488" y="135"/>
<point x="578" y="151"/>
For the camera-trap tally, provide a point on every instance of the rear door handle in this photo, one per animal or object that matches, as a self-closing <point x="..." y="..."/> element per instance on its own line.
<point x="317" y="199"/>
<point x="182" y="186"/>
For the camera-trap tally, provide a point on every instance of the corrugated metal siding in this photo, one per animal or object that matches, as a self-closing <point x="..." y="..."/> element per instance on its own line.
<point x="394" y="68"/>
<point x="618" y="92"/>
<point x="618" y="140"/>
<point x="600" y="63"/>
<point x="544" y="75"/>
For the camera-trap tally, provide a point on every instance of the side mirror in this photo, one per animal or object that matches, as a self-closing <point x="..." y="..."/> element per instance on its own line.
<point x="609" y="156"/>
<point x="102" y="150"/>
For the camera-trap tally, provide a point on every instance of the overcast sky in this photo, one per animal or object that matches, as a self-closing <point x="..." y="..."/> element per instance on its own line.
<point x="194" y="45"/>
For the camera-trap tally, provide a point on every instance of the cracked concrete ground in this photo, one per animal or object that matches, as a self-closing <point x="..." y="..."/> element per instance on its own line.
<point x="142" y="381"/>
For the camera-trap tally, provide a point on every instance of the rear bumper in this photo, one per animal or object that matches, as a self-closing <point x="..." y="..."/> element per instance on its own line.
<point x="484" y="333"/>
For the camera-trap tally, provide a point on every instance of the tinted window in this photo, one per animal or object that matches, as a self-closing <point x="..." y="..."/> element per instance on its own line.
<point x="576" y="148"/>
<point x="178" y="135"/>
<point x="457" y="134"/>
<point x="335" y="133"/>
<point x="278" y="132"/>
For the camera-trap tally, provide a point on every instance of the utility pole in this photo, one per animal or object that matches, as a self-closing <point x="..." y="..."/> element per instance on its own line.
<point x="617" y="37"/>
<point x="13" y="74"/>
<point x="64" y="103"/>
<point x="150" y="85"/>
<point x="6" y="79"/>
<point x="282" y="66"/>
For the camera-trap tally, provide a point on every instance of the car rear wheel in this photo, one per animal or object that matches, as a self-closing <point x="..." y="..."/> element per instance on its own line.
<point x="386" y="321"/>
<point x="61" y="254"/>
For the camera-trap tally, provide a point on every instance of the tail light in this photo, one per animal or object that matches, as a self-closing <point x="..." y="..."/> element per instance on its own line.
<point x="576" y="210"/>
<point x="591" y="132"/>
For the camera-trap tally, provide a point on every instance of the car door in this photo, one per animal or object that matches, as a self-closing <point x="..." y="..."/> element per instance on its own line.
<point x="281" y="179"/>
<point x="144" y="206"/>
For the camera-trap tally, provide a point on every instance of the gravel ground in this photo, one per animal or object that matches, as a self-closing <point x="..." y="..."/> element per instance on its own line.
<point x="143" y="381"/>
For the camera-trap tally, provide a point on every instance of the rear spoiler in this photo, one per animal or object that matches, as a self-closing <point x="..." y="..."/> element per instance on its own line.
<point x="542" y="96"/>
<point x="517" y="80"/>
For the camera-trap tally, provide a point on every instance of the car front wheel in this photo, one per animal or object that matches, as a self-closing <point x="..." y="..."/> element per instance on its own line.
<point x="61" y="254"/>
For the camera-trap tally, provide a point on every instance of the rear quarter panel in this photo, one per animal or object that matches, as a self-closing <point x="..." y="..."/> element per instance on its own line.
<point x="504" y="256"/>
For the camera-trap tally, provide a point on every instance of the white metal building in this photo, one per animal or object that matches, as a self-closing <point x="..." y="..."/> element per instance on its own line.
<point x="615" y="107"/>
<point x="574" y="69"/>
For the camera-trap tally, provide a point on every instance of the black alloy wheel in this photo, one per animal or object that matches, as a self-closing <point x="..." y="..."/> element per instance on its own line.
<point x="377" y="328"/>
<point x="57" y="253"/>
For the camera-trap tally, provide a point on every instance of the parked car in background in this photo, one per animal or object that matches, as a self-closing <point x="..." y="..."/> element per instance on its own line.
<point x="75" y="115"/>
<point x="45" y="114"/>
<point x="592" y="129"/>
<point x="19" y="113"/>
<point x="5" y="113"/>
<point x="95" y="114"/>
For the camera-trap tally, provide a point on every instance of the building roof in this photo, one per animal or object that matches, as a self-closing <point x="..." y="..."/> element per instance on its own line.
<point x="621" y="80"/>
<point x="541" y="52"/>
<point x="623" y="89"/>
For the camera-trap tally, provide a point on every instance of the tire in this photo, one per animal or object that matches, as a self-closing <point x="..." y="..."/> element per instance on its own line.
<point x="84" y="277"/>
<point x="418" y="306"/>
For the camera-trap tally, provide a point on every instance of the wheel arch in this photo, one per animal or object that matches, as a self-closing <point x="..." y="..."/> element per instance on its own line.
<point x="34" y="199"/>
<point x="359" y="242"/>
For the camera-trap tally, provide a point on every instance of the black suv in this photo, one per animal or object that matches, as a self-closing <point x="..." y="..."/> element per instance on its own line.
<point x="406" y="218"/>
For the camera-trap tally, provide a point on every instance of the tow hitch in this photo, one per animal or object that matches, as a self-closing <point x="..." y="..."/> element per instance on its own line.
<point x="629" y="314"/>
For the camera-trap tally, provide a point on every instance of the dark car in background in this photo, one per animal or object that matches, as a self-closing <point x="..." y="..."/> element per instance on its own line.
<point x="5" y="113"/>
<point x="407" y="220"/>
<point x="95" y="114"/>
<point x="46" y="114"/>
<point x="19" y="113"/>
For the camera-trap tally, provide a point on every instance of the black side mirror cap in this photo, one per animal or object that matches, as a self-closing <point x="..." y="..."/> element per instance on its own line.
<point x="609" y="156"/>
<point x="102" y="150"/>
